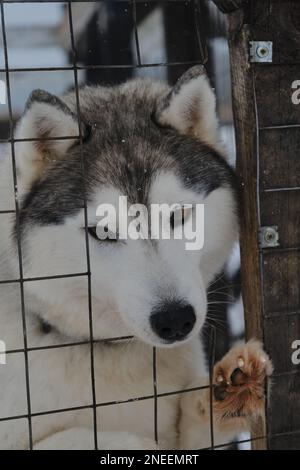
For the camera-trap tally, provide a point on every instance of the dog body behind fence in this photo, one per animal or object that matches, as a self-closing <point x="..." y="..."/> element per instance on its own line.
<point x="151" y="144"/>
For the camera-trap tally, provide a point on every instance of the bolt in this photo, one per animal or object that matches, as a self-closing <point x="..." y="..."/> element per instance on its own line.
<point x="262" y="51"/>
<point x="270" y="236"/>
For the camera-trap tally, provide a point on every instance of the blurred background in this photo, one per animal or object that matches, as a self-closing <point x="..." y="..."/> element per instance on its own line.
<point x="115" y="41"/>
<point x="110" y="42"/>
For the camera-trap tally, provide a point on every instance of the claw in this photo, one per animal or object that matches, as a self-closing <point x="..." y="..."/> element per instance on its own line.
<point x="240" y="362"/>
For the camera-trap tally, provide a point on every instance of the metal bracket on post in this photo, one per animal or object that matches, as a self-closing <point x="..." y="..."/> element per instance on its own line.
<point x="269" y="237"/>
<point x="261" y="51"/>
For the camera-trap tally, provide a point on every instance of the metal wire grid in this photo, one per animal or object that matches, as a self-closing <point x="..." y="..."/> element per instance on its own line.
<point x="95" y="404"/>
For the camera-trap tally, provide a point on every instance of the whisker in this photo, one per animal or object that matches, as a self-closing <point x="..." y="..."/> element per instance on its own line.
<point x="217" y="325"/>
<point x="217" y="279"/>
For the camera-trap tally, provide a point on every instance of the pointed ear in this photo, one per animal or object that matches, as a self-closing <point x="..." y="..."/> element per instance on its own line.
<point x="190" y="107"/>
<point x="45" y="117"/>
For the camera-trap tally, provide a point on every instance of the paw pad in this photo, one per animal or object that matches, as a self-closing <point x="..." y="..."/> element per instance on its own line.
<point x="238" y="377"/>
<point x="239" y="387"/>
<point x="220" y="392"/>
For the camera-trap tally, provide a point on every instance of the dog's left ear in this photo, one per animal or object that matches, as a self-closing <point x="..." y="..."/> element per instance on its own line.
<point x="190" y="107"/>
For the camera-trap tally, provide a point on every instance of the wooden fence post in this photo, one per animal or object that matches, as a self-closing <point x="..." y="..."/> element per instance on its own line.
<point x="267" y="123"/>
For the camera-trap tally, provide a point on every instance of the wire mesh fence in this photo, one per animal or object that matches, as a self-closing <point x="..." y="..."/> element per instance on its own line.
<point x="200" y="55"/>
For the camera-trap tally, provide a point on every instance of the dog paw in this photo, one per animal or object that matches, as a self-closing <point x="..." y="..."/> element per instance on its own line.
<point x="239" y="381"/>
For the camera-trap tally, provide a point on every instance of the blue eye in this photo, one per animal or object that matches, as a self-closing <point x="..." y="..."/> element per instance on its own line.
<point x="111" y="237"/>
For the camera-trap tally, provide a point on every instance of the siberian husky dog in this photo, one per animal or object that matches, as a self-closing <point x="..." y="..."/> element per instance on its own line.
<point x="155" y="145"/>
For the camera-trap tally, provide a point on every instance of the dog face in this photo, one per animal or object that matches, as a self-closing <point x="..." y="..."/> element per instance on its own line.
<point x="154" y="145"/>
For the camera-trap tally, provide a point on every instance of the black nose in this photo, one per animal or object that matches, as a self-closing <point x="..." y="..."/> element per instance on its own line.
<point x="173" y="321"/>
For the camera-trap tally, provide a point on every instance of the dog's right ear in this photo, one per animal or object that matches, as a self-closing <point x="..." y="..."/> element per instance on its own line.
<point x="45" y="119"/>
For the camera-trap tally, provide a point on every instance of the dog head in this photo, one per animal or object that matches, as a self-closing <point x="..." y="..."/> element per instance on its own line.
<point x="150" y="144"/>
